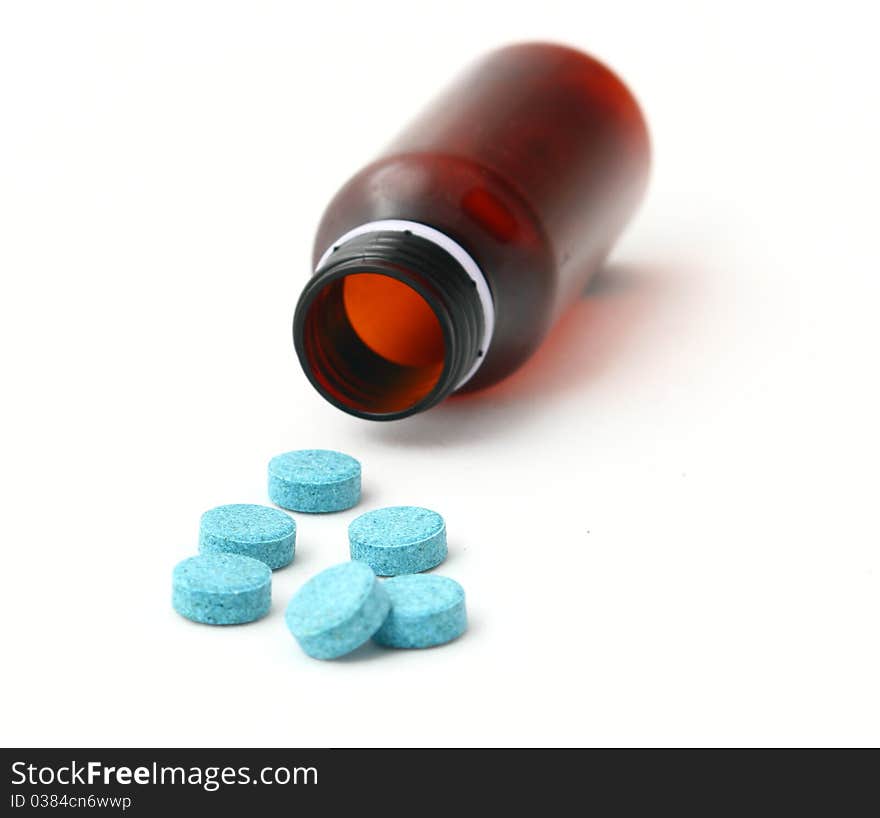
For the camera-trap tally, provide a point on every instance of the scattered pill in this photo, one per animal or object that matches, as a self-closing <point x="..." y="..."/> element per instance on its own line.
<point x="264" y="533"/>
<point x="222" y="589"/>
<point x="314" y="480"/>
<point x="426" y="610"/>
<point x="337" y="610"/>
<point x="398" y="540"/>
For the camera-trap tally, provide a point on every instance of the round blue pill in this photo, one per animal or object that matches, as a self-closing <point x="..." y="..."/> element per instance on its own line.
<point x="398" y="540"/>
<point x="264" y="533"/>
<point x="314" y="480"/>
<point x="337" y="610"/>
<point x="426" y="610"/>
<point x="222" y="589"/>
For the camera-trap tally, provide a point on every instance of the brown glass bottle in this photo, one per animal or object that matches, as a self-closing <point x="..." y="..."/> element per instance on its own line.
<point x="442" y="264"/>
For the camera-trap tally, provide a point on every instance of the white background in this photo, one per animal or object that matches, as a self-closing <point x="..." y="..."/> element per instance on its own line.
<point x="666" y="522"/>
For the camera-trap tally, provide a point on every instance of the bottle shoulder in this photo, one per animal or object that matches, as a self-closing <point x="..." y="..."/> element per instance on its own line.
<point x="481" y="211"/>
<point x="452" y="193"/>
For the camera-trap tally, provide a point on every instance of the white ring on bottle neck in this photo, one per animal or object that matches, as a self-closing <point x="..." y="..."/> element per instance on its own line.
<point x="456" y="251"/>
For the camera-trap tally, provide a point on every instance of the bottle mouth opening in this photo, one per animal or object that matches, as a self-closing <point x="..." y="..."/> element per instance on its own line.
<point x="372" y="342"/>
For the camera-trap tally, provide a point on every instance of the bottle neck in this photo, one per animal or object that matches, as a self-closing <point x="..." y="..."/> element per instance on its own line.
<point x="393" y="321"/>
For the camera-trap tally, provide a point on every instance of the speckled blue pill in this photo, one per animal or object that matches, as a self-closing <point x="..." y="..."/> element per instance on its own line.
<point x="337" y="610"/>
<point x="426" y="610"/>
<point x="398" y="540"/>
<point x="264" y="533"/>
<point x="314" y="480"/>
<point x="222" y="589"/>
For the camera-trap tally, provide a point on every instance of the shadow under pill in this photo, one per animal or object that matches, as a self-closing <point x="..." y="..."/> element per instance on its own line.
<point x="367" y="652"/>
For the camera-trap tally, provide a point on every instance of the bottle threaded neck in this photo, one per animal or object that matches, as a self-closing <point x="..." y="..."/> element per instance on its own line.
<point x="389" y="325"/>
